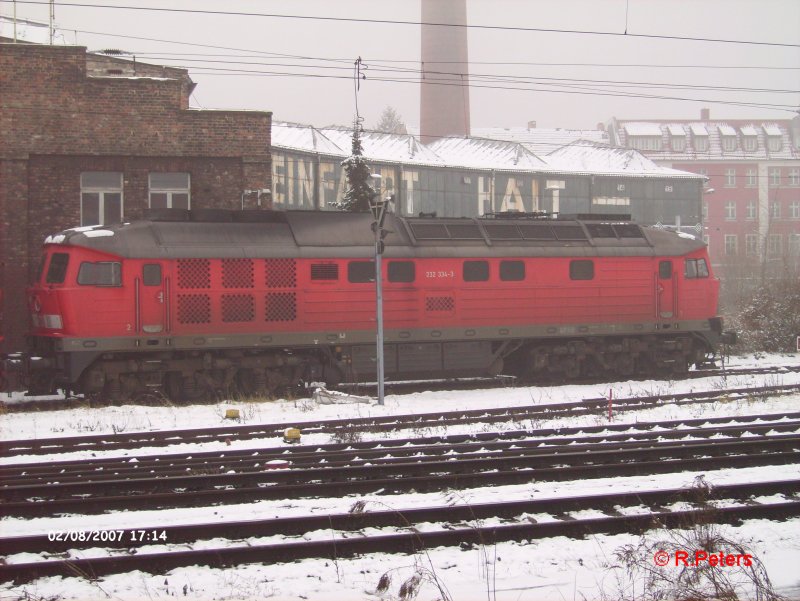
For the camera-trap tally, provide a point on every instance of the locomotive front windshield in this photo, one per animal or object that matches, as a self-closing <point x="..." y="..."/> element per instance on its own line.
<point x="57" y="271"/>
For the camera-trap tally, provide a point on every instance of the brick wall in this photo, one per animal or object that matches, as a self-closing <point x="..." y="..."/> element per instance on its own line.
<point x="63" y="112"/>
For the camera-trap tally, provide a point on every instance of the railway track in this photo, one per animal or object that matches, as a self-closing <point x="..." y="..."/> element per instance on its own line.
<point x="378" y="424"/>
<point x="393" y="468"/>
<point x="344" y="535"/>
<point x="77" y="402"/>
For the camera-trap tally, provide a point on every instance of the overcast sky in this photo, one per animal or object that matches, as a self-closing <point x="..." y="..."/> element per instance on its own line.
<point x="315" y="56"/>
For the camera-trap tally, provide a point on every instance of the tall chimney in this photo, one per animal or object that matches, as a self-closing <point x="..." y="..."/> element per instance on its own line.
<point x="444" y="93"/>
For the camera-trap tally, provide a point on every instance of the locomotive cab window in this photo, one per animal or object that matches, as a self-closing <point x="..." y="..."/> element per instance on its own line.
<point x="696" y="268"/>
<point x="512" y="271"/>
<point x="476" y="271"/>
<point x="581" y="270"/>
<point x="360" y="272"/>
<point x="151" y="274"/>
<point x="58" y="268"/>
<point x="665" y="270"/>
<point x="103" y="273"/>
<point x="401" y="271"/>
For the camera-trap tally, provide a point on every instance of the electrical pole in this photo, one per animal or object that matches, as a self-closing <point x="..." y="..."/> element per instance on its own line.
<point x="378" y="208"/>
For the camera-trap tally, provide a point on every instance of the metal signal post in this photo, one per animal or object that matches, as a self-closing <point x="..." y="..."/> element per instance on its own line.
<point x="378" y="208"/>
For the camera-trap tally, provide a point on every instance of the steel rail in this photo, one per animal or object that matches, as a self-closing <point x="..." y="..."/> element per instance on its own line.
<point x="375" y="424"/>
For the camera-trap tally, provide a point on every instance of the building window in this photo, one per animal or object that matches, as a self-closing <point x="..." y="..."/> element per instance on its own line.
<point x="728" y="143"/>
<point x="678" y="143"/>
<point x="749" y="143"/>
<point x="774" y="177"/>
<point x="794" y="245"/>
<point x="751" y="244"/>
<point x="776" y="210"/>
<point x="705" y="211"/>
<point x="752" y="178"/>
<point x="701" y="143"/>
<point x="774" y="245"/>
<point x="101" y="197"/>
<point x="169" y="191"/>
<point x="645" y="142"/>
<point x="794" y="210"/>
<point x="730" y="210"/>
<point x="751" y="209"/>
<point x="730" y="244"/>
<point x="794" y="177"/>
<point x="730" y="178"/>
<point x="774" y="143"/>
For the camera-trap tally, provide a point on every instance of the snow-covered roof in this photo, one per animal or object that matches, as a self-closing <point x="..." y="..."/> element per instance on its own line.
<point x="587" y="157"/>
<point x="579" y="157"/>
<point x="643" y="129"/>
<point x="541" y="141"/>
<point x="772" y="129"/>
<point x="748" y="130"/>
<point x="676" y="130"/>
<point x="698" y="129"/>
<point x="726" y="130"/>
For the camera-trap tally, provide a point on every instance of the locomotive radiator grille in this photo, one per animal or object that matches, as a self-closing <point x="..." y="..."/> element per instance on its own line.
<point x="194" y="308"/>
<point x="237" y="273"/>
<point x="440" y="303"/>
<point x="280" y="273"/>
<point x="280" y="306"/>
<point x="194" y="273"/>
<point x="238" y="307"/>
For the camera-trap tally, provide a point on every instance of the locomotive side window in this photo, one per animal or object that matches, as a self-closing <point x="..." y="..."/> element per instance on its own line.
<point x="512" y="271"/>
<point x="476" y="271"/>
<point x="581" y="270"/>
<point x="151" y="274"/>
<point x="696" y="268"/>
<point x="401" y="271"/>
<point x="104" y="273"/>
<point x="360" y="272"/>
<point x="58" y="268"/>
<point x="665" y="270"/>
<point x="324" y="271"/>
<point x="42" y="263"/>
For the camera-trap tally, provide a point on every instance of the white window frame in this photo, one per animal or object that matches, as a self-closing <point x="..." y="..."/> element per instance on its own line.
<point x="751" y="245"/>
<point x="794" y="177"/>
<point x="775" y="177"/>
<point x="775" y="209"/>
<point x="728" y="143"/>
<point x="730" y="178"/>
<point x="749" y="143"/>
<point x="751" y="209"/>
<point x="774" y="244"/>
<point x="731" y="245"/>
<point x="701" y="143"/>
<point x="87" y="187"/>
<point x="751" y="180"/>
<point x="169" y="190"/>
<point x="774" y="143"/>
<point x="730" y="210"/>
<point x="794" y="209"/>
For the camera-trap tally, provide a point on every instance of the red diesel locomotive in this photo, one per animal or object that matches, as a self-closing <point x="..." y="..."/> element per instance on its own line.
<point x="191" y="302"/>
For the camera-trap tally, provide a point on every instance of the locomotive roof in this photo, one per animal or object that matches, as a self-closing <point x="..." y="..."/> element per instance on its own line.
<point x="213" y="233"/>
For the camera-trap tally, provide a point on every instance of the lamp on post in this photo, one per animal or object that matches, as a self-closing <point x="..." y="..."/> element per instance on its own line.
<point x="378" y="207"/>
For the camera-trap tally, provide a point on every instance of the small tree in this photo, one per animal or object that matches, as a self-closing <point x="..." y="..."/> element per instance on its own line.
<point x="359" y="191"/>
<point x="390" y="122"/>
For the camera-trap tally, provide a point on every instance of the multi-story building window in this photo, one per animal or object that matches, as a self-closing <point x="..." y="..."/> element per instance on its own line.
<point x="774" y="177"/>
<point x="774" y="143"/>
<point x="751" y="180"/>
<point x="701" y="143"/>
<point x="794" y="176"/>
<point x="730" y="210"/>
<point x="645" y="142"/>
<point x="776" y="210"/>
<point x="794" y="209"/>
<point x="728" y="143"/>
<point x="794" y="245"/>
<point x="751" y="244"/>
<point x="101" y="197"/>
<point x="751" y="209"/>
<point x="170" y="191"/>
<point x="730" y="244"/>
<point x="774" y="245"/>
<point x="749" y="143"/>
<point x="730" y="178"/>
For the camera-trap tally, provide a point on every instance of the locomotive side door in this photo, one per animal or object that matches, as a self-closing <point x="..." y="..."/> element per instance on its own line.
<point x="152" y="299"/>
<point x="666" y="290"/>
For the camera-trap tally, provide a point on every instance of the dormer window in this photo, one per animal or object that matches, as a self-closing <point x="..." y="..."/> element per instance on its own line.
<point x="699" y="137"/>
<point x="677" y="138"/>
<point x="643" y="136"/>
<point x="727" y="138"/>
<point x="774" y="137"/>
<point x="749" y="138"/>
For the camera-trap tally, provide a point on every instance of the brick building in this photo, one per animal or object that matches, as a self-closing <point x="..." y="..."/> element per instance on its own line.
<point x="751" y="207"/>
<point x="88" y="139"/>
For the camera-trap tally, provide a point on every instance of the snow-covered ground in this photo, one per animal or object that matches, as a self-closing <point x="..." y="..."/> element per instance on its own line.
<point x="558" y="569"/>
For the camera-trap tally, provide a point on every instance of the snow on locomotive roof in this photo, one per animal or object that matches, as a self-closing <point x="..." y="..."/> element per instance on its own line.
<point x="172" y="234"/>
